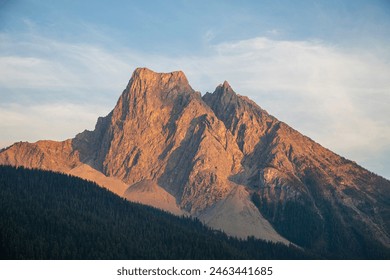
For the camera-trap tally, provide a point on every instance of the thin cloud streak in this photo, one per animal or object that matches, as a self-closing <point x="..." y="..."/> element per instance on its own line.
<point x="337" y="97"/>
<point x="49" y="64"/>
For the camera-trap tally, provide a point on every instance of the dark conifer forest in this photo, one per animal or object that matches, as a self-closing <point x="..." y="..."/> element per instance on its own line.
<point x="47" y="215"/>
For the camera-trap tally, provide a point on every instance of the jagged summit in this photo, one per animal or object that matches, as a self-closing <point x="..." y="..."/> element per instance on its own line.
<point x="149" y="87"/>
<point x="222" y="99"/>
<point x="226" y="85"/>
<point x="146" y="74"/>
<point x="224" y="89"/>
<point x="147" y="77"/>
<point x="225" y="160"/>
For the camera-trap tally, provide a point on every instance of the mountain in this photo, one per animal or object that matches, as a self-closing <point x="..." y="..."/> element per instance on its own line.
<point x="47" y="215"/>
<point x="223" y="159"/>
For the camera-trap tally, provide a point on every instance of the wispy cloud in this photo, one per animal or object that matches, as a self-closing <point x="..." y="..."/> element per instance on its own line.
<point x="55" y="121"/>
<point x="43" y="63"/>
<point x="338" y="97"/>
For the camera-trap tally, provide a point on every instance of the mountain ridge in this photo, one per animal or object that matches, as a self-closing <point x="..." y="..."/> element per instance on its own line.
<point x="202" y="149"/>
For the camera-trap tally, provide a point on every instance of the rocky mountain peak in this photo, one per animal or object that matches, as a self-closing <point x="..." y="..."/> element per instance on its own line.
<point x="226" y="85"/>
<point x="225" y="90"/>
<point x="148" y="92"/>
<point x="144" y="80"/>
<point x="225" y="160"/>
<point x="146" y="74"/>
<point x="222" y="99"/>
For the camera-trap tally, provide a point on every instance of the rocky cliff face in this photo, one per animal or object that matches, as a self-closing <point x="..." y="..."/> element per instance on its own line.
<point x="298" y="184"/>
<point x="223" y="159"/>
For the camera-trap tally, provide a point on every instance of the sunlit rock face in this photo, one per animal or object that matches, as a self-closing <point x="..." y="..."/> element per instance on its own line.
<point x="223" y="159"/>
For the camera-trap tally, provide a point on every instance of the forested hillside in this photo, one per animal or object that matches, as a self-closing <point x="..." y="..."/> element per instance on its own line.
<point x="47" y="215"/>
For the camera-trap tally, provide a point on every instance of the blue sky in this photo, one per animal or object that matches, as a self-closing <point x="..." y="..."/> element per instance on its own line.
<point x="323" y="67"/>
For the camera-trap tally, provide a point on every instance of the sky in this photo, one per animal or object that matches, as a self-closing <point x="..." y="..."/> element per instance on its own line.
<point x="323" y="67"/>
